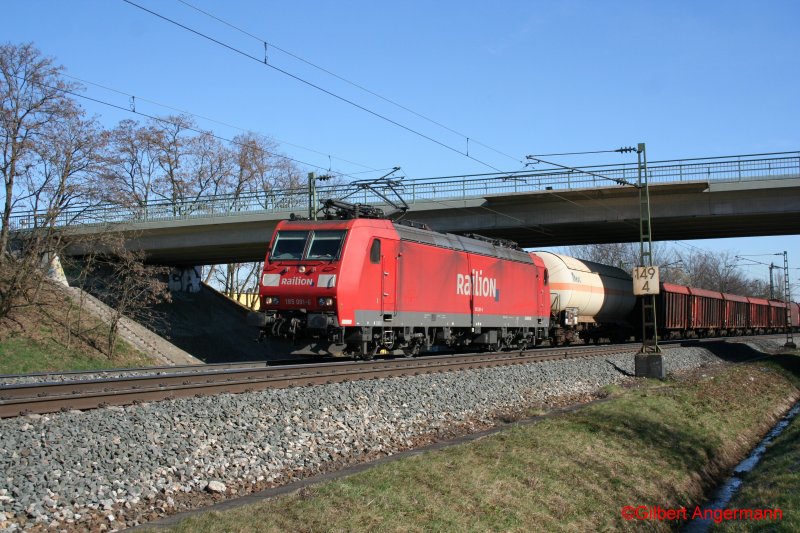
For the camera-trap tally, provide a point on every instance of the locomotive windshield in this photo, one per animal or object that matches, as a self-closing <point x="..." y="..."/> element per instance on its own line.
<point x="294" y="245"/>
<point x="289" y="245"/>
<point x="325" y="245"/>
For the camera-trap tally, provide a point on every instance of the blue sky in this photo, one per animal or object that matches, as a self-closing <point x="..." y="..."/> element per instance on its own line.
<point x="691" y="79"/>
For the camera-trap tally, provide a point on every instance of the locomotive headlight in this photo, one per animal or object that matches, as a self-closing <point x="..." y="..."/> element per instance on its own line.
<point x="271" y="300"/>
<point x="325" y="302"/>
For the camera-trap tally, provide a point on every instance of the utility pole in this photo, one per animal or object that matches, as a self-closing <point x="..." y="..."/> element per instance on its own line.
<point x="771" y="282"/>
<point x="649" y="362"/>
<point x="787" y="299"/>
<point x="787" y="294"/>
<point x="313" y="202"/>
<point x="312" y="196"/>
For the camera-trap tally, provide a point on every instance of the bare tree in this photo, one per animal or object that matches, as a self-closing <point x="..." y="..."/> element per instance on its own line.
<point x="715" y="271"/>
<point x="211" y="167"/>
<point x="257" y="169"/>
<point x="131" y="165"/>
<point x="172" y="151"/>
<point x="33" y="96"/>
<point x="239" y="281"/>
<point x="626" y="256"/>
<point x="622" y="255"/>
<point x="124" y="282"/>
<point x="50" y="151"/>
<point x="58" y="186"/>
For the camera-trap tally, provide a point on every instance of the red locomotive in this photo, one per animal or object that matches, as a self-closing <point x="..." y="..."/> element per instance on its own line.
<point x="370" y="286"/>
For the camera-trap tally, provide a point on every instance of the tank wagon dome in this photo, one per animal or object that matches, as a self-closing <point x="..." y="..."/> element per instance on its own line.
<point x="599" y="292"/>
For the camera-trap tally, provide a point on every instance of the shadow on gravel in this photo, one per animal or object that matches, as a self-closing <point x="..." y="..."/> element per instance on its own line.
<point x="738" y="353"/>
<point x="619" y="369"/>
<point x="729" y="351"/>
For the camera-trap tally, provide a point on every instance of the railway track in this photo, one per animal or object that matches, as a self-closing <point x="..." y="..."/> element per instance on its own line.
<point x="49" y="397"/>
<point x="161" y="383"/>
<point x="77" y="375"/>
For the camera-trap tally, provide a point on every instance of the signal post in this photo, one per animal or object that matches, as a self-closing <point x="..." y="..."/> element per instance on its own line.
<point x="649" y="362"/>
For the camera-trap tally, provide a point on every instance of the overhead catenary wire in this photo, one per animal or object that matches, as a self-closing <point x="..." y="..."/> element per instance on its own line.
<point x="467" y="138"/>
<point x="689" y="246"/>
<point x="203" y="132"/>
<point x="354" y="104"/>
<point x="352" y="83"/>
<point x="313" y="85"/>
<point x="167" y="121"/>
<point x="578" y="153"/>
<point x="575" y="169"/>
<point x="222" y="123"/>
<point x="280" y="156"/>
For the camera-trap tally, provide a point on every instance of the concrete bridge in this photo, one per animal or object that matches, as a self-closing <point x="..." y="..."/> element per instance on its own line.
<point x="736" y="196"/>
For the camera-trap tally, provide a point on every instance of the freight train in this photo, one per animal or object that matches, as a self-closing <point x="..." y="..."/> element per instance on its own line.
<point x="366" y="287"/>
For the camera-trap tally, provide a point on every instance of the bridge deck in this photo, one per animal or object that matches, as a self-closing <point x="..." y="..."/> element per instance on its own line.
<point x="698" y="198"/>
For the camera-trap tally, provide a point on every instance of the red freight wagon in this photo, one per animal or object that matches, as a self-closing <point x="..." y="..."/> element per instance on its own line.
<point x="706" y="309"/>
<point x="735" y="314"/>
<point x="673" y="310"/>
<point x="795" y="312"/>
<point x="759" y="315"/>
<point x="371" y="286"/>
<point x="777" y="314"/>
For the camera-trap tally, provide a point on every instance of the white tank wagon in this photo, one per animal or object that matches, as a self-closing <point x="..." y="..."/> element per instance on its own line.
<point x="588" y="300"/>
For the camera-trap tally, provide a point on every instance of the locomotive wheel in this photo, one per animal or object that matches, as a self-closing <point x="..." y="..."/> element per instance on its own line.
<point x="411" y="351"/>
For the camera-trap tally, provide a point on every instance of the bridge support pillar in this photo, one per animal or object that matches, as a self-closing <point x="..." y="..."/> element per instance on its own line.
<point x="649" y="365"/>
<point x="185" y="279"/>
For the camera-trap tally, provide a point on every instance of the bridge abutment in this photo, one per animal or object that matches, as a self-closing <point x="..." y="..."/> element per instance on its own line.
<point x="186" y="279"/>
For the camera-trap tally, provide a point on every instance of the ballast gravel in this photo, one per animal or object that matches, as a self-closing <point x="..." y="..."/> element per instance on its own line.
<point x="112" y="468"/>
<point x="10" y="380"/>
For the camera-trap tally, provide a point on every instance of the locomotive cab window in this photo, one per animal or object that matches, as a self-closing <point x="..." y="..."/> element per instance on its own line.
<point x="375" y="252"/>
<point x="289" y="245"/>
<point x="326" y="245"/>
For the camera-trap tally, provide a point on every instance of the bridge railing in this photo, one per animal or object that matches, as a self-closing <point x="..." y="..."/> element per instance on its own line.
<point x="736" y="168"/>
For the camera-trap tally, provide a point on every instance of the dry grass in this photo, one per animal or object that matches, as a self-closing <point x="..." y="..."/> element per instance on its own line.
<point x="656" y="445"/>
<point x="774" y="483"/>
<point x="55" y="335"/>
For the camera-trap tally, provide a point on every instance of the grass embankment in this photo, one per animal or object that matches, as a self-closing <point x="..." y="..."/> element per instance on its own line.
<point x="773" y="484"/>
<point x="657" y="444"/>
<point x="23" y="355"/>
<point x="56" y="335"/>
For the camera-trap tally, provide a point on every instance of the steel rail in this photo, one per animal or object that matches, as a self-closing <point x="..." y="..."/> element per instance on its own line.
<point x="172" y="369"/>
<point x="49" y="397"/>
<point x="41" y="398"/>
<point x="143" y="382"/>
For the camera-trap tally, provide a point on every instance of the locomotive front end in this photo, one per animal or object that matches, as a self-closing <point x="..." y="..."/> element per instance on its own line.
<point x="298" y="286"/>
